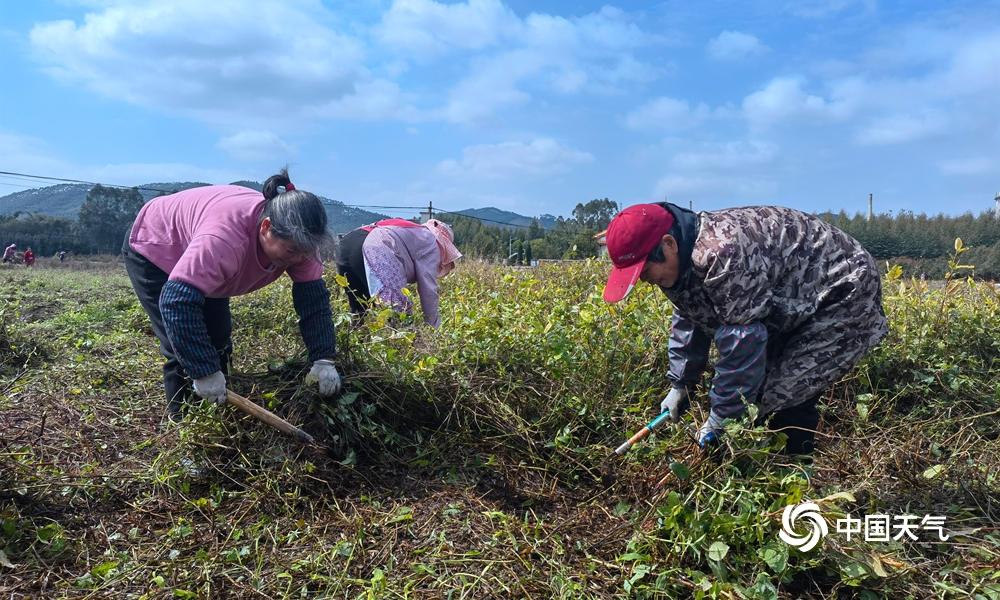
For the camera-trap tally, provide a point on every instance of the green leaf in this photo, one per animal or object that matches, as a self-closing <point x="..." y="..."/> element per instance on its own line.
<point x="775" y="556"/>
<point x="680" y="470"/>
<point x="838" y="496"/>
<point x="932" y="472"/>
<point x="853" y="572"/>
<point x="49" y="532"/>
<point x="762" y="589"/>
<point x="343" y="549"/>
<point x="104" y="568"/>
<point x="630" y="556"/>
<point x="348" y="399"/>
<point x="403" y="513"/>
<point x="717" y="551"/>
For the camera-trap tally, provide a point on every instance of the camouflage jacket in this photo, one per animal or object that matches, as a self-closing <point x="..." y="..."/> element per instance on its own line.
<point x="758" y="274"/>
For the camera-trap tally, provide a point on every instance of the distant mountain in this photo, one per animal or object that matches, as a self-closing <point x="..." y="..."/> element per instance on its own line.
<point x="499" y="218"/>
<point x="61" y="200"/>
<point x="64" y="200"/>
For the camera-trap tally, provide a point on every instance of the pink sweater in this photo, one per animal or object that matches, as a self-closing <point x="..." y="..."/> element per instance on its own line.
<point x="207" y="237"/>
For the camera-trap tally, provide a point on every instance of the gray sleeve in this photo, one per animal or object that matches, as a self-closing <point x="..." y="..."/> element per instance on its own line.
<point x="688" y="351"/>
<point x="740" y="370"/>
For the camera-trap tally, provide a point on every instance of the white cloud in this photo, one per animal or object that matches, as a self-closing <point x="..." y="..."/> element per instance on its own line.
<point x="425" y="29"/>
<point x="265" y="64"/>
<point x="373" y="100"/>
<point x="974" y="67"/>
<point x="669" y="114"/>
<point x="255" y="145"/>
<point x="522" y="58"/>
<point x="542" y="156"/>
<point x="709" y="171"/>
<point x="735" y="45"/>
<point x="679" y="188"/>
<point x="925" y="83"/>
<point x="225" y="61"/>
<point x="784" y="98"/>
<point x="897" y="129"/>
<point x="493" y="85"/>
<point x="975" y="165"/>
<point x="723" y="156"/>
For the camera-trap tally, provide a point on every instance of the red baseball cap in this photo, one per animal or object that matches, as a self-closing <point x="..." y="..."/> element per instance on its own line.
<point x="632" y="235"/>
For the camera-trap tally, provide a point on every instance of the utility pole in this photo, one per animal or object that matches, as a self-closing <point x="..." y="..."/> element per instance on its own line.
<point x="997" y="200"/>
<point x="429" y="214"/>
<point x="691" y="205"/>
<point x="871" y="207"/>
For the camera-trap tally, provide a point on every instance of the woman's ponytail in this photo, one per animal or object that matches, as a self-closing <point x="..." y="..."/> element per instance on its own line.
<point x="274" y="182"/>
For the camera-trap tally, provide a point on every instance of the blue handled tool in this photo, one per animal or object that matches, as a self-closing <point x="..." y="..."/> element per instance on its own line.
<point x="643" y="433"/>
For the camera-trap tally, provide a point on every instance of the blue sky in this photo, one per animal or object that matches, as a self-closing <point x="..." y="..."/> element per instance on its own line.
<point x="526" y="106"/>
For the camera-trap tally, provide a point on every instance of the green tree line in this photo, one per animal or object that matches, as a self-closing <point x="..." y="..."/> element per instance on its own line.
<point x="100" y="228"/>
<point x="919" y="242"/>
<point x="569" y="238"/>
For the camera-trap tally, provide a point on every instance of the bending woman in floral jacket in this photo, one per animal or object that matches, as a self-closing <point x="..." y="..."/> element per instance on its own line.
<point x="379" y="260"/>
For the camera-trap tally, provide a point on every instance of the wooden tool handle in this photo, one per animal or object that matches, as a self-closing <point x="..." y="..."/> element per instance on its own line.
<point x="261" y="413"/>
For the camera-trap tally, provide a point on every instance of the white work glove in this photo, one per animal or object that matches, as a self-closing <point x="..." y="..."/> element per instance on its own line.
<point x="212" y="387"/>
<point x="325" y="374"/>
<point x="676" y="402"/>
<point x="711" y="431"/>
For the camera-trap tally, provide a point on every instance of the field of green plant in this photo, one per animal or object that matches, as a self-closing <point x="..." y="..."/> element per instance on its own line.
<point x="474" y="462"/>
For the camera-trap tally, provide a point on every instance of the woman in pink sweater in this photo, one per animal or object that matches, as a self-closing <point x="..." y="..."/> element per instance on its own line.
<point x="188" y="253"/>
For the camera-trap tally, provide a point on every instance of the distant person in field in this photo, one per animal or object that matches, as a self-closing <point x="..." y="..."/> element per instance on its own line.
<point x="791" y="302"/>
<point x="189" y="252"/>
<point x="9" y="252"/>
<point x="62" y="255"/>
<point x="381" y="259"/>
<point x="29" y="257"/>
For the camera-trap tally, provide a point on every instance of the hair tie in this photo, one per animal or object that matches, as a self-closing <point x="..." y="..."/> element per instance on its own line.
<point x="289" y="187"/>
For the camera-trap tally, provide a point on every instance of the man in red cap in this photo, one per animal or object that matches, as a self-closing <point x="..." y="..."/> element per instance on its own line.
<point x="791" y="302"/>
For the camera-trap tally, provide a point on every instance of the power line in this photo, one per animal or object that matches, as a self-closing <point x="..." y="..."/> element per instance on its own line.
<point x="379" y="206"/>
<point x="30" y="176"/>
<point x="505" y="223"/>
